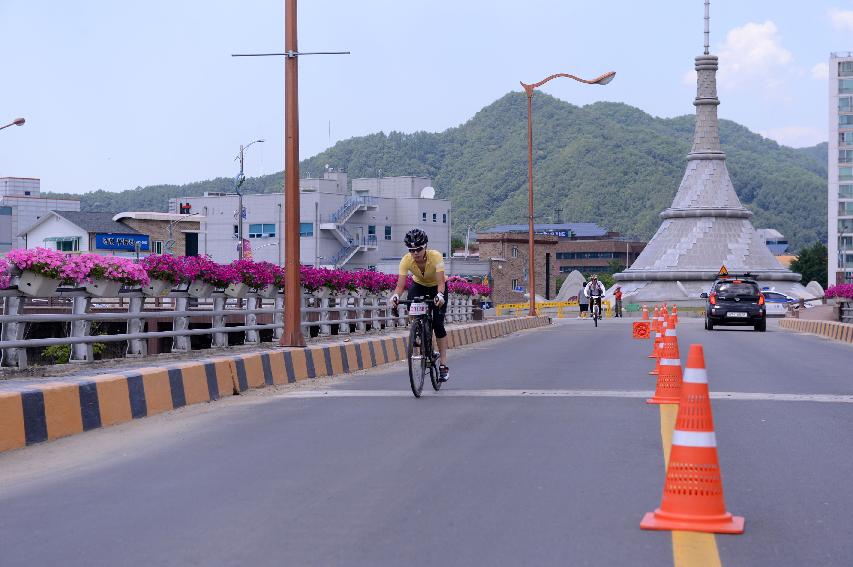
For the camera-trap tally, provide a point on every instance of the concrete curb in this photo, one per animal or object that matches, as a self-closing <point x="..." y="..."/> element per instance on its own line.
<point x="830" y="329"/>
<point x="36" y="411"/>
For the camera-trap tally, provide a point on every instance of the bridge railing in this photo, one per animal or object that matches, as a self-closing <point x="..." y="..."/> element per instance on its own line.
<point x="216" y="315"/>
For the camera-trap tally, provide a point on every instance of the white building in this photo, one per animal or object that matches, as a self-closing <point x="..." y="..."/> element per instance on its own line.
<point x="339" y="227"/>
<point x="840" y="233"/>
<point x="75" y="231"/>
<point x="21" y="205"/>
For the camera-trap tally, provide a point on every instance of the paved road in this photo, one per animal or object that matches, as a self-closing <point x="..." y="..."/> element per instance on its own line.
<point x="510" y="465"/>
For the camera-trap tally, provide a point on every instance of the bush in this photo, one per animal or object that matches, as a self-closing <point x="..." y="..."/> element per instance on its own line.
<point x="60" y="354"/>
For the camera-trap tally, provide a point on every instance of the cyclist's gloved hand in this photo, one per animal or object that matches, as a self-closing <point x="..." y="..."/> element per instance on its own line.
<point x="394" y="300"/>
<point x="439" y="299"/>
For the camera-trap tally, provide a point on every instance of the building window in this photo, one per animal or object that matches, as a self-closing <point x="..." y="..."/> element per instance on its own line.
<point x="845" y="191"/>
<point x="371" y="230"/>
<point x="845" y="173"/>
<point x="263" y="230"/>
<point x="845" y="156"/>
<point x="158" y="247"/>
<point x="845" y="86"/>
<point x="845" y="226"/>
<point x="435" y="217"/>
<point x="515" y="251"/>
<point x="387" y="232"/>
<point x="845" y="104"/>
<point x="845" y="68"/>
<point x="306" y="229"/>
<point x="845" y="120"/>
<point x="444" y="254"/>
<point x="515" y="284"/>
<point x="845" y="137"/>
<point x="444" y="218"/>
<point x="26" y="192"/>
<point x="423" y="217"/>
<point x="845" y="209"/>
<point x="68" y="244"/>
<point x="236" y="231"/>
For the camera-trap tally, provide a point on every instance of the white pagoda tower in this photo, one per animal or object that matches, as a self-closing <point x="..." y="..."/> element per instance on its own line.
<point x="706" y="227"/>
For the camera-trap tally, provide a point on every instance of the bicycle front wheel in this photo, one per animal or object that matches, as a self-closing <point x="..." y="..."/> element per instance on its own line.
<point x="433" y="369"/>
<point x="417" y="359"/>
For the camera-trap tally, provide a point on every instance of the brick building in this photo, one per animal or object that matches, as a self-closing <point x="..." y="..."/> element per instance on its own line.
<point x="507" y="254"/>
<point x="585" y="247"/>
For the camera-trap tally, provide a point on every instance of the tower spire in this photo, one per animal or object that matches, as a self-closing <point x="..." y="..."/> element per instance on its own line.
<point x="707" y="26"/>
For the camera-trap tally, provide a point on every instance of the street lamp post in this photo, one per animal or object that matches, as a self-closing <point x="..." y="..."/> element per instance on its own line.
<point x="15" y="122"/>
<point x="238" y="181"/>
<point x="602" y="80"/>
<point x="170" y="244"/>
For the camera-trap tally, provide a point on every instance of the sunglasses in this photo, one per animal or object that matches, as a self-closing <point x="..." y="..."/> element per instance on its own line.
<point x="416" y="250"/>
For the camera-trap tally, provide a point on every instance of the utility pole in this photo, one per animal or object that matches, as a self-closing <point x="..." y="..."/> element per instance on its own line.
<point x="292" y="335"/>
<point x="238" y="181"/>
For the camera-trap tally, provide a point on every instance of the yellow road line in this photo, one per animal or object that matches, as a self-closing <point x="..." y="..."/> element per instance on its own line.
<point x="689" y="549"/>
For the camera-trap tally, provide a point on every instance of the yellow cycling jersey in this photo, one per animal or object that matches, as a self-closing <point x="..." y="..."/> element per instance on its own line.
<point x="434" y="264"/>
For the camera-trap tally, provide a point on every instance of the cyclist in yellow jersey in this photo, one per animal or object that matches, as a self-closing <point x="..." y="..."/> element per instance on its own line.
<point x="427" y="269"/>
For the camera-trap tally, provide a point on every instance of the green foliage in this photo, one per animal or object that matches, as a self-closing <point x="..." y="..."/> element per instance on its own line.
<point x="603" y="277"/>
<point x="60" y="354"/>
<point x="606" y="162"/>
<point x="456" y="243"/>
<point x="811" y="262"/>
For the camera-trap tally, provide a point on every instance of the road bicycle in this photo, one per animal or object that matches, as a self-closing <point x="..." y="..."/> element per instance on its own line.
<point x="422" y="357"/>
<point x="595" y="308"/>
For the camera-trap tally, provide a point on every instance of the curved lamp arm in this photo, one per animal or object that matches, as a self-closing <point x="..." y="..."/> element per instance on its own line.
<point x="602" y="80"/>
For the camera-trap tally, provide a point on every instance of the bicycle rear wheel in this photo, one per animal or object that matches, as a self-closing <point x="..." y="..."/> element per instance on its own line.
<point x="433" y="369"/>
<point x="417" y="367"/>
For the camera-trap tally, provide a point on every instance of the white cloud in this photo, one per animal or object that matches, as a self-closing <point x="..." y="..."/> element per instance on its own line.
<point x="796" y="136"/>
<point x="841" y="19"/>
<point x="752" y="56"/>
<point x="821" y="72"/>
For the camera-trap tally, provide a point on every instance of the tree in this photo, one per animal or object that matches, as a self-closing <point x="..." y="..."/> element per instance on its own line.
<point x="456" y="243"/>
<point x="811" y="262"/>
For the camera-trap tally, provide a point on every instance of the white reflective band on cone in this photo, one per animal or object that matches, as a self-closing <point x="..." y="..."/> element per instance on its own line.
<point x="670" y="362"/>
<point x="695" y="376"/>
<point x="694" y="438"/>
<point x="671" y="332"/>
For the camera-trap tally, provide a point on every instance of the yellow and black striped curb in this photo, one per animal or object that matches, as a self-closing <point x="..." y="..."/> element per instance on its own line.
<point x="830" y="329"/>
<point x="37" y="410"/>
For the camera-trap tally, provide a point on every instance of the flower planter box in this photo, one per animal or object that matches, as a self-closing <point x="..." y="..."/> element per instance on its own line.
<point x="269" y="292"/>
<point x="157" y="288"/>
<point x="237" y="290"/>
<point x="103" y="288"/>
<point x="36" y="285"/>
<point x="200" y="288"/>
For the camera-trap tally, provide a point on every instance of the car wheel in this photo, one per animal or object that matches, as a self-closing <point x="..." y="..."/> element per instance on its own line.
<point x="761" y="327"/>
<point x="708" y="325"/>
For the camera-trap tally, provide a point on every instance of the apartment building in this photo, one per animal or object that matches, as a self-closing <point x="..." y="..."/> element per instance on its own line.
<point x="840" y="233"/>
<point x="344" y="223"/>
<point x="21" y="206"/>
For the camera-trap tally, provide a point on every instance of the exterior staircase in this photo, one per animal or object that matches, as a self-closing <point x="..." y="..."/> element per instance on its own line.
<point x="350" y="245"/>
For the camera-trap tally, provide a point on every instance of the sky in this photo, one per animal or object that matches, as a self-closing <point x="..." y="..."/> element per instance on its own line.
<point x="118" y="95"/>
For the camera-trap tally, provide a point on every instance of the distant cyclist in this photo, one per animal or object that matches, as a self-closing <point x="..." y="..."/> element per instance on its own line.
<point x="427" y="269"/>
<point x="594" y="290"/>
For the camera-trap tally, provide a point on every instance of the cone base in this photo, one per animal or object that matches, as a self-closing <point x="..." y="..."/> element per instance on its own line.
<point x="663" y="400"/>
<point x="729" y="525"/>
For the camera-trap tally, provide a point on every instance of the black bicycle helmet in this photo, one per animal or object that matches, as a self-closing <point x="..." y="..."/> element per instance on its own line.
<point x="416" y="238"/>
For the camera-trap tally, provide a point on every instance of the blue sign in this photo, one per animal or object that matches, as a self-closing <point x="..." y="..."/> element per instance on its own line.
<point x="560" y="233"/>
<point x="109" y="241"/>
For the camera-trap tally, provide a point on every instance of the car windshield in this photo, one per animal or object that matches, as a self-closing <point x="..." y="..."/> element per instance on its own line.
<point x="737" y="289"/>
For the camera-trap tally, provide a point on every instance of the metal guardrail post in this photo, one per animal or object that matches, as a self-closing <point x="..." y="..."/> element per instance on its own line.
<point x="219" y="339"/>
<point x="181" y="343"/>
<point x="12" y="331"/>
<point x="136" y="348"/>
<point x="326" y="303"/>
<point x="81" y="352"/>
<point x="343" y="314"/>
<point x="252" y="337"/>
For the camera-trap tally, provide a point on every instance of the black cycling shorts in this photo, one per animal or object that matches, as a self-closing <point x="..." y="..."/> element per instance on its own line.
<point x="418" y="290"/>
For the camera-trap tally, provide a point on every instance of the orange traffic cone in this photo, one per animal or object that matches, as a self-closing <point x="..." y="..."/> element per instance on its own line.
<point x="693" y="491"/>
<point x="675" y="313"/>
<point x="657" y="353"/>
<point x="645" y="312"/>
<point x="655" y="328"/>
<point x="668" y="389"/>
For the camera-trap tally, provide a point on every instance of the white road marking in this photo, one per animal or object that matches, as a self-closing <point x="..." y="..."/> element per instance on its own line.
<point x="531" y="393"/>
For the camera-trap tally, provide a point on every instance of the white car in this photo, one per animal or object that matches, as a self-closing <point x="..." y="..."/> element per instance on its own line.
<point x="777" y="303"/>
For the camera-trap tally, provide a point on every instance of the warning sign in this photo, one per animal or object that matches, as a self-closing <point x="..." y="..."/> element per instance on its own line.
<point x="723" y="272"/>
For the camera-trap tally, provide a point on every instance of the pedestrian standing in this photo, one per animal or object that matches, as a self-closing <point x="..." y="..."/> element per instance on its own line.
<point x="618" y="295"/>
<point x="583" y="302"/>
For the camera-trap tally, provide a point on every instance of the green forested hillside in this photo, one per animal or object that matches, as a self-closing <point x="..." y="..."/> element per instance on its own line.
<point x="608" y="163"/>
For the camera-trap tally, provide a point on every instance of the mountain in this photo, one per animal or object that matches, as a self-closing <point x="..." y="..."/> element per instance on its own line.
<point x="608" y="163"/>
